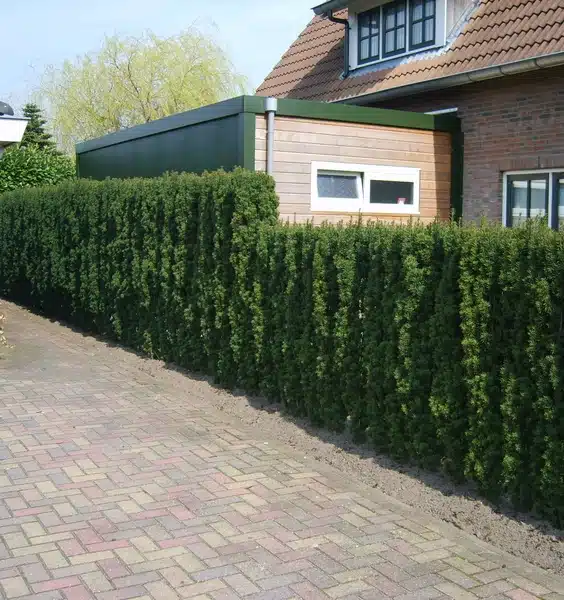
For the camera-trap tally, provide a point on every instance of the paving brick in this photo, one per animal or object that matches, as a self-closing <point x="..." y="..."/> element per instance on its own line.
<point x="78" y="592"/>
<point x="54" y="559"/>
<point x="34" y="573"/>
<point x="196" y="589"/>
<point x="218" y="572"/>
<point x="129" y="556"/>
<point x="90" y="557"/>
<point x="56" y="584"/>
<point x="345" y="589"/>
<point x="386" y="586"/>
<point x="176" y="576"/>
<point x="96" y="582"/>
<point x="160" y="590"/>
<point x="241" y="585"/>
<point x="14" y="587"/>
<point x="492" y="589"/>
<point x="455" y="591"/>
<point x="529" y="586"/>
<point x="136" y="580"/>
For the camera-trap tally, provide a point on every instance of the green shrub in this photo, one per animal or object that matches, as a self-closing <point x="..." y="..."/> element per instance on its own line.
<point x="442" y="345"/>
<point x="31" y="166"/>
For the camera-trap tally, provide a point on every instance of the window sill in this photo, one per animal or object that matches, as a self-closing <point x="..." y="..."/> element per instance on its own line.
<point x="394" y="58"/>
<point x="371" y="213"/>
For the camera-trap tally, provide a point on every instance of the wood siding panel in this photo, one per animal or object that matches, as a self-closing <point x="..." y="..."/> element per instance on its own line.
<point x="299" y="142"/>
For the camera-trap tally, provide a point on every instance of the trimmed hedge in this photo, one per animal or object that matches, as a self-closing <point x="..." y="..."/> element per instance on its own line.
<point x="442" y="345"/>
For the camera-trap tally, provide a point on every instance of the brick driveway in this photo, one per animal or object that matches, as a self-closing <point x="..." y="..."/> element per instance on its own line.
<point x="115" y="486"/>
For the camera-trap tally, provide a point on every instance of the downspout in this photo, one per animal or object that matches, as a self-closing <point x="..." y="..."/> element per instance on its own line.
<point x="270" y="107"/>
<point x="344" y="22"/>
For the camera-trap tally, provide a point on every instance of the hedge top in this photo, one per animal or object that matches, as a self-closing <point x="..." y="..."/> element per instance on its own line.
<point x="286" y="108"/>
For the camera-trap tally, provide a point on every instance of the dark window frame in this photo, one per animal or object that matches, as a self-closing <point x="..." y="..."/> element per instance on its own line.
<point x="424" y="18"/>
<point x="388" y="7"/>
<point x="370" y="36"/>
<point x="528" y="177"/>
<point x="556" y="176"/>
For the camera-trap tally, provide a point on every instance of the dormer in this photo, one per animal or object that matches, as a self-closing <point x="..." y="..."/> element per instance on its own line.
<point x="383" y="32"/>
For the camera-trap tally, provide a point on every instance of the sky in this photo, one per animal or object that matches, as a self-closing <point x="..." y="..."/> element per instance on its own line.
<point x="37" y="33"/>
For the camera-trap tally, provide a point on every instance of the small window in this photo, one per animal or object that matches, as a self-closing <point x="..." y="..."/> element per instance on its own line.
<point x="365" y="188"/>
<point x="391" y="192"/>
<point x="369" y="35"/>
<point x="394" y="18"/>
<point x="422" y="23"/>
<point x="331" y="184"/>
<point x="527" y="197"/>
<point x="559" y="201"/>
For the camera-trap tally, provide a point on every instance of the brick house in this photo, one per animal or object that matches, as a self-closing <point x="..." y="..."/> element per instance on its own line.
<point x="497" y="64"/>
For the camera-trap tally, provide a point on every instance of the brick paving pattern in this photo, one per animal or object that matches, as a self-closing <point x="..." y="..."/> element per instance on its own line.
<point x="116" y="486"/>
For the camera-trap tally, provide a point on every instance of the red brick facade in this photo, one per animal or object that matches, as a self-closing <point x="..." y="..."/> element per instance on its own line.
<point x="511" y="123"/>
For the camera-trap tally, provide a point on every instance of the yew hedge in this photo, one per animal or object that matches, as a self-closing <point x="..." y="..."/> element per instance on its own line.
<point x="442" y="345"/>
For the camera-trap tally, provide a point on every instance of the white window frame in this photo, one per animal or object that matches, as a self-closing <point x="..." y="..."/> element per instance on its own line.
<point x="505" y="199"/>
<point x="440" y="34"/>
<point x="366" y="173"/>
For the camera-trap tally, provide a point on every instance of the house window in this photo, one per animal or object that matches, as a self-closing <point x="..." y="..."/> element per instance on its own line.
<point x="339" y="185"/>
<point x="558" y="221"/>
<point x="396" y="28"/>
<point x="422" y="23"/>
<point x="532" y="195"/>
<point x="371" y="189"/>
<point x="369" y="36"/>
<point x="393" y="17"/>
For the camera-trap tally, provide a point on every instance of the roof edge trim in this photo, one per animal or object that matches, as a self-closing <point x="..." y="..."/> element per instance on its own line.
<point x="511" y="68"/>
<point x="326" y="8"/>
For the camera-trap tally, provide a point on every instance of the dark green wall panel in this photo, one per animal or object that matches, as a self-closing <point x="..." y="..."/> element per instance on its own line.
<point x="195" y="148"/>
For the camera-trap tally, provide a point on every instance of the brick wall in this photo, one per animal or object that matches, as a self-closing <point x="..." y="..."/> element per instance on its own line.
<point x="511" y="123"/>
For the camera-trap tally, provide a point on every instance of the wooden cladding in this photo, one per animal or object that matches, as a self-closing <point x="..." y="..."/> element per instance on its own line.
<point x="299" y="142"/>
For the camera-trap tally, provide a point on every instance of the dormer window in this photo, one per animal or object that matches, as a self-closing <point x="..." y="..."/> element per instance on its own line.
<point x="422" y="23"/>
<point x="396" y="28"/>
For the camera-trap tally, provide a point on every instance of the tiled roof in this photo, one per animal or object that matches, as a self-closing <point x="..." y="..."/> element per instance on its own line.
<point x="498" y="32"/>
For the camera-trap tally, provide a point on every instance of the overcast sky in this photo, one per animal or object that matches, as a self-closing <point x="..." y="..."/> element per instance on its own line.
<point x="37" y="33"/>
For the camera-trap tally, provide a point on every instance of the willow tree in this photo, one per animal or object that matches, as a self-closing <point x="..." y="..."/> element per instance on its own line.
<point x="134" y="80"/>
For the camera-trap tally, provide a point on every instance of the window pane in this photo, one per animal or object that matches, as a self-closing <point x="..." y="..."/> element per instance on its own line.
<point x="390" y="44"/>
<point x="400" y="15"/>
<point x="429" y="8"/>
<point x="375" y="46"/>
<point x="519" y="202"/>
<point x="417" y="34"/>
<point x="391" y="192"/>
<point x="364" y="49"/>
<point x="337" y="186"/>
<point x="417" y="10"/>
<point x="390" y="19"/>
<point x="538" y="198"/>
<point x="375" y="20"/>
<point x="560" y="200"/>
<point x="364" y="28"/>
<point x="400" y="39"/>
<point x="429" y="30"/>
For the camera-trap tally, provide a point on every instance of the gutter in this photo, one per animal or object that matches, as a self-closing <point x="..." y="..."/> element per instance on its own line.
<point x="323" y="9"/>
<point x="512" y="68"/>
<point x="270" y="108"/>
<point x="344" y="22"/>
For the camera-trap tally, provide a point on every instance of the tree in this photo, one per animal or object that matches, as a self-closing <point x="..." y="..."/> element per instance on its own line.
<point x="32" y="166"/>
<point x="136" y="80"/>
<point x="35" y="134"/>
